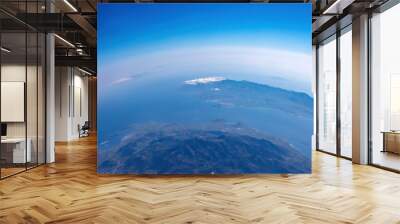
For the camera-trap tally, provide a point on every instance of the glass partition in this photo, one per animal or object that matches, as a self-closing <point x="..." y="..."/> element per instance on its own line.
<point x="31" y="99"/>
<point x="22" y="78"/>
<point x="41" y="97"/>
<point x="385" y="89"/>
<point x="14" y="155"/>
<point x="327" y="95"/>
<point x="334" y="68"/>
<point x="346" y="93"/>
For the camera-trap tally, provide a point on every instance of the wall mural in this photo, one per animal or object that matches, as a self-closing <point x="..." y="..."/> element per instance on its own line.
<point x="204" y="88"/>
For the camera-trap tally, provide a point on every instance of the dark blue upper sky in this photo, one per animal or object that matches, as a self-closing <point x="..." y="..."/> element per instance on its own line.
<point x="146" y="27"/>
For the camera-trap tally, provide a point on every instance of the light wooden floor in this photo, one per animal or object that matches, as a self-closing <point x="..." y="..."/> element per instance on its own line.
<point x="10" y="171"/>
<point x="70" y="191"/>
<point x="387" y="159"/>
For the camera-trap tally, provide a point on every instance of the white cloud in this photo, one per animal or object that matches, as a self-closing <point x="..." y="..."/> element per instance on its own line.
<point x="121" y="80"/>
<point x="126" y="78"/>
<point x="204" y="80"/>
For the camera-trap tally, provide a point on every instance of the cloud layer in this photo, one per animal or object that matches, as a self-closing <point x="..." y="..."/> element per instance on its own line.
<point x="224" y="60"/>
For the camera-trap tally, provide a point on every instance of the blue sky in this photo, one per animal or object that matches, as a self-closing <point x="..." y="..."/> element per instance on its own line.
<point x="131" y="34"/>
<point x="148" y="26"/>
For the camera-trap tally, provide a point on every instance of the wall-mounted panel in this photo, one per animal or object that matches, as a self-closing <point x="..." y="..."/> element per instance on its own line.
<point x="12" y="100"/>
<point x="204" y="88"/>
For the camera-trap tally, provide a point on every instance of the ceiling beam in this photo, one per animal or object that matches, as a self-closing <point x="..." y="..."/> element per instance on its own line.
<point x="78" y="61"/>
<point x="86" y="26"/>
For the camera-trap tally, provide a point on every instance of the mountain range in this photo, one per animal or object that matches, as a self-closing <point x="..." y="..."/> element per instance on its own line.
<point x="230" y="93"/>
<point x="167" y="150"/>
<point x="212" y="125"/>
